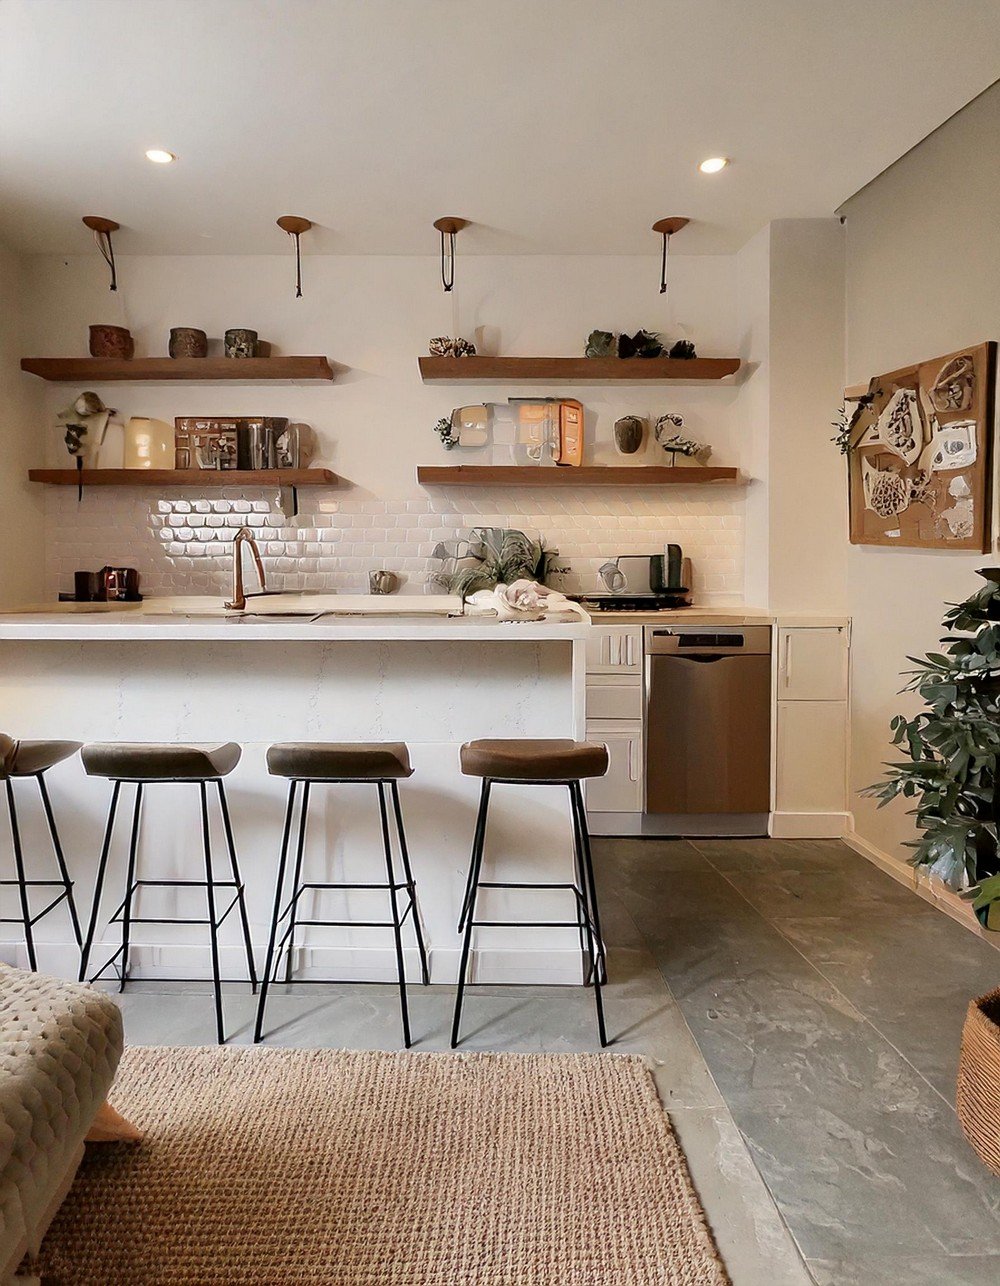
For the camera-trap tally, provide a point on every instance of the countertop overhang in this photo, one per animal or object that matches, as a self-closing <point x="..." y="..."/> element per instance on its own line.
<point x="142" y="627"/>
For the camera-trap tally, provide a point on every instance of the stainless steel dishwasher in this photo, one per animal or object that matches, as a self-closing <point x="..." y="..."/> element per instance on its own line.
<point x="707" y="730"/>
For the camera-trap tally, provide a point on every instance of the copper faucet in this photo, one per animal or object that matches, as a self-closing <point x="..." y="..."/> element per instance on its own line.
<point x="244" y="536"/>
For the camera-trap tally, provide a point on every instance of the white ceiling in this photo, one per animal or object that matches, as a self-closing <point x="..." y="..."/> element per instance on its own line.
<point x="556" y="126"/>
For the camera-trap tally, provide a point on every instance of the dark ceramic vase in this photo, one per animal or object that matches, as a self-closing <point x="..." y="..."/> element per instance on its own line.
<point x="111" y="341"/>
<point x="629" y="434"/>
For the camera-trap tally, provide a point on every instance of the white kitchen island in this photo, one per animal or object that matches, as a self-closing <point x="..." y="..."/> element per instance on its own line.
<point x="433" y="682"/>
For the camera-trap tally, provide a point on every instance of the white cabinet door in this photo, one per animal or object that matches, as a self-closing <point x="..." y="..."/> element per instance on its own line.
<point x="621" y="790"/>
<point x="812" y="663"/>
<point x="811" y="753"/>
<point x="613" y="649"/>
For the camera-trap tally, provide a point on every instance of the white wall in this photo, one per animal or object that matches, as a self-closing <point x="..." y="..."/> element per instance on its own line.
<point x="375" y="423"/>
<point x="922" y="278"/>
<point x="21" y="548"/>
<point x="808" y="491"/>
<point x="790" y="305"/>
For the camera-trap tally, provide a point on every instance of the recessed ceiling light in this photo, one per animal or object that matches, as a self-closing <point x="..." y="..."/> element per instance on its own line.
<point x="714" y="164"/>
<point x="160" y="157"/>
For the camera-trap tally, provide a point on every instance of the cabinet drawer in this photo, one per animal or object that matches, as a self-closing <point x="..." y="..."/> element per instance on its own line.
<point x="621" y="790"/>
<point x="614" y="649"/>
<point x="811" y="758"/>
<point x="614" y="701"/>
<point x="812" y="664"/>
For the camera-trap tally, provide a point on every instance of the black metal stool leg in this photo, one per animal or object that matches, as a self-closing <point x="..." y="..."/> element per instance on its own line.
<point x="60" y="859"/>
<point x="133" y="846"/>
<point x="231" y="845"/>
<point x="411" y="887"/>
<point x="213" y="923"/>
<point x="478" y="846"/>
<point x="102" y="867"/>
<point x="394" y="901"/>
<point x="265" y="981"/>
<point x="296" y="879"/>
<point x="600" y="967"/>
<point x="22" y="887"/>
<point x="480" y="822"/>
<point x="586" y="937"/>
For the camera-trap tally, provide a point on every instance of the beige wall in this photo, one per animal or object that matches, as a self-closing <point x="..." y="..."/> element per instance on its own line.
<point x="922" y="278"/>
<point x="21" y="553"/>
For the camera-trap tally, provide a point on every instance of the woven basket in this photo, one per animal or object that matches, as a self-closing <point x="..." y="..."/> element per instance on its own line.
<point x="978" y="1098"/>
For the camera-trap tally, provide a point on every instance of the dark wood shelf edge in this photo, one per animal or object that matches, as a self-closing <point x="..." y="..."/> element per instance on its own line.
<point x="186" y="477"/>
<point x="248" y="369"/>
<point x="580" y="369"/>
<point x="472" y="475"/>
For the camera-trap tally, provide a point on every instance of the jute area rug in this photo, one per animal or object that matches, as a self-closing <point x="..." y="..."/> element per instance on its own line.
<point x="277" y="1166"/>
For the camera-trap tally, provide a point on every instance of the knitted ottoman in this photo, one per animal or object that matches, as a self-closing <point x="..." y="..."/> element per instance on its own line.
<point x="60" y="1043"/>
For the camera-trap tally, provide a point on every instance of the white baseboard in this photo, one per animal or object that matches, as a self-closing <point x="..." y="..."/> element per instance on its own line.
<point x="928" y="887"/>
<point x="811" y="825"/>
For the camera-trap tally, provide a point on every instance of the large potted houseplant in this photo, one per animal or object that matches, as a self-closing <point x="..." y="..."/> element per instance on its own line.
<point x="952" y="770"/>
<point x="952" y="748"/>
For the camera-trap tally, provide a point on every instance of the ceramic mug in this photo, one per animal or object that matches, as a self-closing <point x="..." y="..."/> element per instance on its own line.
<point x="119" y="584"/>
<point x="382" y="582"/>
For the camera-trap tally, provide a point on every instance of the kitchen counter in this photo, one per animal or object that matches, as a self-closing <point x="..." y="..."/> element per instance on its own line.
<point x="140" y="625"/>
<point x="431" y="681"/>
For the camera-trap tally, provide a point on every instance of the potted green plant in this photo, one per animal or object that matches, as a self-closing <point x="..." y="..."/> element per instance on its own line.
<point x="952" y="748"/>
<point x="492" y="556"/>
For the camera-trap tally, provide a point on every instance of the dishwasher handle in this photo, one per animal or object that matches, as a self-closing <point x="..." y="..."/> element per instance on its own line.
<point x="695" y="642"/>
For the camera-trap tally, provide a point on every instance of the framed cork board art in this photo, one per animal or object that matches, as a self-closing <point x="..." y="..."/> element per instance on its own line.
<point x="920" y="456"/>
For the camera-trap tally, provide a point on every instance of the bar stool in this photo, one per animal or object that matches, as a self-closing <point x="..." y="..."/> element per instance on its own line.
<point x="536" y="763"/>
<point x="305" y="764"/>
<point x="20" y="759"/>
<point x="146" y="765"/>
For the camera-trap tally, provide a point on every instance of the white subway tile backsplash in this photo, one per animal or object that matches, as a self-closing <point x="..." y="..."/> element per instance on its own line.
<point x="334" y="544"/>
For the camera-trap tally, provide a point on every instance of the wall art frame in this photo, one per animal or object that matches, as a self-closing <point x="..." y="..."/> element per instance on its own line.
<point x="921" y="455"/>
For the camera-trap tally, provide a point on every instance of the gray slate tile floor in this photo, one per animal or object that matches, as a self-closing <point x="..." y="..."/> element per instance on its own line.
<point x="801" y="1011"/>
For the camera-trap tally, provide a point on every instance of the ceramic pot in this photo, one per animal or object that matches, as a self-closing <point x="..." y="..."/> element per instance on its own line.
<point x="241" y="343"/>
<point x="111" y="341"/>
<point x="185" y="341"/>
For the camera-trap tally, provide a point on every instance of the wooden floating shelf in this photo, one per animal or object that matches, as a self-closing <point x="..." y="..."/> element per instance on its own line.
<point x="186" y="477"/>
<point x="580" y="369"/>
<point x="102" y="369"/>
<point x="513" y="475"/>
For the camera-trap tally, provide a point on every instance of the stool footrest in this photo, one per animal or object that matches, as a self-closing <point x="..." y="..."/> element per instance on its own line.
<point x="33" y="920"/>
<point x="496" y="884"/>
<point x="118" y="916"/>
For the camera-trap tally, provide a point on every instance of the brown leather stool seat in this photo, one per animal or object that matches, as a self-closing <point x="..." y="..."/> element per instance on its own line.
<point x="150" y="761"/>
<point x="29" y="758"/>
<point x="538" y="760"/>
<point x="340" y="760"/>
